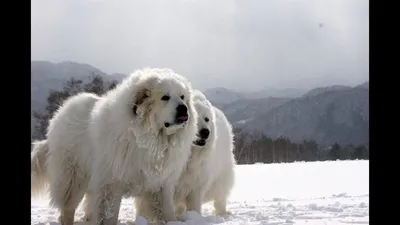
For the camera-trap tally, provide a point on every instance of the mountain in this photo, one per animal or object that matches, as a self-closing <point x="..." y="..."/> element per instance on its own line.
<point x="325" y="114"/>
<point x="364" y="85"/>
<point x="338" y="115"/>
<point x="320" y="90"/>
<point x="240" y="111"/>
<point x="278" y="93"/>
<point x="220" y="95"/>
<point x="46" y="76"/>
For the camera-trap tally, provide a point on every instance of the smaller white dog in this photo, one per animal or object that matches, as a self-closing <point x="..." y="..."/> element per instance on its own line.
<point x="209" y="174"/>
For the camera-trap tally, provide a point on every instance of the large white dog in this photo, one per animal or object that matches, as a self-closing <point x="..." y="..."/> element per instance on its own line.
<point x="209" y="174"/>
<point x="134" y="139"/>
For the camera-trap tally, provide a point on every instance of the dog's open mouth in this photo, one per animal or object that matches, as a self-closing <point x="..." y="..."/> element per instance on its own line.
<point x="200" y="142"/>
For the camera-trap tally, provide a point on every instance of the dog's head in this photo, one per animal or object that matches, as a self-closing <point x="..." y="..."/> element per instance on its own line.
<point x="206" y="127"/>
<point x="163" y="99"/>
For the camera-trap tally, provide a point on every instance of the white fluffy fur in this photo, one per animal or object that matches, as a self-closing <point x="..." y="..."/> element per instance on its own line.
<point x="209" y="174"/>
<point x="39" y="175"/>
<point x="117" y="145"/>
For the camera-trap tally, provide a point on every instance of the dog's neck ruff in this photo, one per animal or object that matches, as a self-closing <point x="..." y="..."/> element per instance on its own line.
<point x="201" y="152"/>
<point x="154" y="140"/>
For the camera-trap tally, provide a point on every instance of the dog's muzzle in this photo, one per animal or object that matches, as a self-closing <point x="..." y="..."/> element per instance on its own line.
<point x="181" y="114"/>
<point x="200" y="142"/>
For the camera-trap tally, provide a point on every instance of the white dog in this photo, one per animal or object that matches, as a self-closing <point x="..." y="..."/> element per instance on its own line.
<point x="135" y="139"/>
<point x="209" y="174"/>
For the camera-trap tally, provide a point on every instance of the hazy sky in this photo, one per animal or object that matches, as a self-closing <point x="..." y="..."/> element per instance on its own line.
<point x="240" y="44"/>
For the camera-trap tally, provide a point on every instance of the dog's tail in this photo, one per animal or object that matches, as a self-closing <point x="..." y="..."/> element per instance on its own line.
<point x="39" y="176"/>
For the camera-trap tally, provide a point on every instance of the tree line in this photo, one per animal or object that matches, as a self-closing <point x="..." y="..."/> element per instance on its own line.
<point x="256" y="147"/>
<point x="250" y="147"/>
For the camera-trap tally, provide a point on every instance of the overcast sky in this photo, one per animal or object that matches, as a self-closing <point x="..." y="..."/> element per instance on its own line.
<point x="238" y="44"/>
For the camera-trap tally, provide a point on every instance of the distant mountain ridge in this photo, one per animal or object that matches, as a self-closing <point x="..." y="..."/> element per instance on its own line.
<point x="340" y="116"/>
<point x="47" y="75"/>
<point x="220" y="95"/>
<point x="325" y="114"/>
<point x="320" y="90"/>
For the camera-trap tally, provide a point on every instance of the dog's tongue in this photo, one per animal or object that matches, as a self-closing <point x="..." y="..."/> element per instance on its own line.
<point x="182" y="118"/>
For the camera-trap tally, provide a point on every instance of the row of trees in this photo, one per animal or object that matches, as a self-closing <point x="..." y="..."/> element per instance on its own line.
<point x="71" y="87"/>
<point x="249" y="147"/>
<point x="256" y="147"/>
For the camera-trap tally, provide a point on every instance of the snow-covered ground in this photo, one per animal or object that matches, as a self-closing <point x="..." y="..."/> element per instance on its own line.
<point x="327" y="193"/>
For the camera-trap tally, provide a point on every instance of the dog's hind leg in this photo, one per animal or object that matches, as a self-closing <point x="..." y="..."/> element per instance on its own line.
<point x="68" y="206"/>
<point x="66" y="192"/>
<point x="67" y="209"/>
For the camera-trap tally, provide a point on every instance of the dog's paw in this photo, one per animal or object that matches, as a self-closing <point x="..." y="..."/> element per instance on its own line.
<point x="170" y="219"/>
<point x="180" y="217"/>
<point x="228" y="212"/>
<point x="86" y="218"/>
<point x="222" y="213"/>
<point x="180" y="209"/>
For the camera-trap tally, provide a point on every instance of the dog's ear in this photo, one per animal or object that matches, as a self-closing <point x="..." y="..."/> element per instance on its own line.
<point x="141" y="96"/>
<point x="145" y="87"/>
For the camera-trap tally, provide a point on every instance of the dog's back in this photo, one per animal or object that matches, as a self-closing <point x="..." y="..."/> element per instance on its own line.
<point x="67" y="131"/>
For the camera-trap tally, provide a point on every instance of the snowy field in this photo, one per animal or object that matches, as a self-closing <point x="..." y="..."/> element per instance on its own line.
<point x="327" y="193"/>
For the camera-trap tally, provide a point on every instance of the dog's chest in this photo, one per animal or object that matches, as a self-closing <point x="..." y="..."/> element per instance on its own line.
<point x="143" y="181"/>
<point x="195" y="175"/>
<point x="153" y="167"/>
<point x="155" y="175"/>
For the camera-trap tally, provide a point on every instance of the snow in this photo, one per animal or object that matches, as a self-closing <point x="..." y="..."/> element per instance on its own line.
<point x="304" y="193"/>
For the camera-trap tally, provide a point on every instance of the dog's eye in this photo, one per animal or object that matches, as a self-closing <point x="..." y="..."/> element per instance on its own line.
<point x="206" y="119"/>
<point x="182" y="97"/>
<point x="165" y="98"/>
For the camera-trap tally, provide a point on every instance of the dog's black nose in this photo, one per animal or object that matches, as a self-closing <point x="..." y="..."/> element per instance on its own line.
<point x="204" y="133"/>
<point x="181" y="113"/>
<point x="181" y="110"/>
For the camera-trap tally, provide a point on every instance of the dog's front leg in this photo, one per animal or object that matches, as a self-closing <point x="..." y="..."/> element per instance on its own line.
<point x="168" y="207"/>
<point x="107" y="203"/>
<point x="194" y="201"/>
